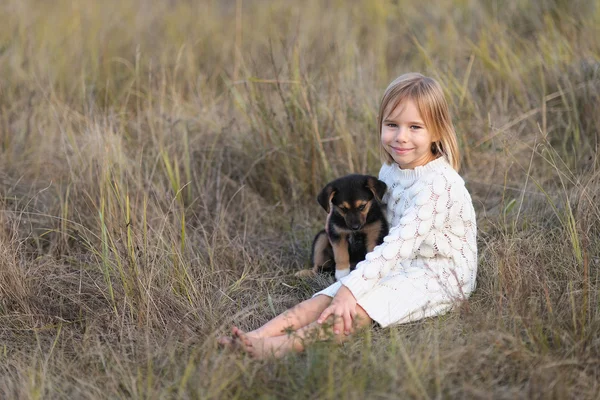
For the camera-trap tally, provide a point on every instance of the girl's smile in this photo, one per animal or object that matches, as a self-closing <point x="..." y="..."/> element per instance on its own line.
<point x="400" y="151"/>
<point x="405" y="136"/>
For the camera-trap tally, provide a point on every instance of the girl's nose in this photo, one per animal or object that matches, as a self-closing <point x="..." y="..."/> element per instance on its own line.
<point x="402" y="134"/>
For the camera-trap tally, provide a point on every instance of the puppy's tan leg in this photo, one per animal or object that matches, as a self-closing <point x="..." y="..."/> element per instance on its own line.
<point x="321" y="256"/>
<point x="372" y="232"/>
<point x="305" y="273"/>
<point x="342" y="257"/>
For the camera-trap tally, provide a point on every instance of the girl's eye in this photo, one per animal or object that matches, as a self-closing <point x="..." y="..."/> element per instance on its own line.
<point x="415" y="127"/>
<point x="391" y="125"/>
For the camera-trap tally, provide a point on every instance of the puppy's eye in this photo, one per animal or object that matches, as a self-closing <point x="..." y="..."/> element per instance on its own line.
<point x="343" y="209"/>
<point x="361" y="208"/>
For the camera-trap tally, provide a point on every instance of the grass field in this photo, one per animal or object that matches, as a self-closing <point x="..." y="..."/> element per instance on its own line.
<point x="159" y="163"/>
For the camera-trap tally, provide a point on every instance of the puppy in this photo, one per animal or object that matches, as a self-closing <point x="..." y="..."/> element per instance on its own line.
<point x="355" y="224"/>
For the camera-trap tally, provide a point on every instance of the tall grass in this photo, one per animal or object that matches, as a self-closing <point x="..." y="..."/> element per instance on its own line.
<point x="159" y="164"/>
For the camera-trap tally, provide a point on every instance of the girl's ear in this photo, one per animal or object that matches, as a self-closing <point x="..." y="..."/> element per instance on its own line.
<point x="377" y="187"/>
<point x="324" y="198"/>
<point x="436" y="144"/>
<point x="436" y="137"/>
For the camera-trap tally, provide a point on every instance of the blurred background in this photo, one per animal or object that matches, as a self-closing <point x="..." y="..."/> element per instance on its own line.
<point x="160" y="160"/>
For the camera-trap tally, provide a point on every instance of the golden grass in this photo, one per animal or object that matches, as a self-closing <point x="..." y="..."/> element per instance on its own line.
<point x="159" y="164"/>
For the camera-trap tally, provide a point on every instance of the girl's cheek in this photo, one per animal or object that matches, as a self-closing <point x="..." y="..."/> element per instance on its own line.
<point x="386" y="134"/>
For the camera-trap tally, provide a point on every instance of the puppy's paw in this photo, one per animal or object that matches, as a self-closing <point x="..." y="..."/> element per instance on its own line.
<point x="340" y="273"/>
<point x="305" y="273"/>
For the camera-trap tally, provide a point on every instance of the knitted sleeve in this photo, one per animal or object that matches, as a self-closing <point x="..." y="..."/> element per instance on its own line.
<point x="430" y="206"/>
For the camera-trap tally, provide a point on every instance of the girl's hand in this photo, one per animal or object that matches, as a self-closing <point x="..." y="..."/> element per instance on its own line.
<point x="343" y="309"/>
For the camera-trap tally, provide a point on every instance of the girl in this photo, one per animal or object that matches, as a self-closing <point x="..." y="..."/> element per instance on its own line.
<point x="427" y="262"/>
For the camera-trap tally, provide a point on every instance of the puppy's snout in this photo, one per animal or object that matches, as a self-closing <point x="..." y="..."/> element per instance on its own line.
<point x="354" y="222"/>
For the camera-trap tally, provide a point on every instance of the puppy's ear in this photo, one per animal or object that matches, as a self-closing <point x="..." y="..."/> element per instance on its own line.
<point x="324" y="198"/>
<point x="377" y="187"/>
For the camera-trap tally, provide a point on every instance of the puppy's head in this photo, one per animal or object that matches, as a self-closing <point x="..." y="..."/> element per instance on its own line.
<point x="352" y="197"/>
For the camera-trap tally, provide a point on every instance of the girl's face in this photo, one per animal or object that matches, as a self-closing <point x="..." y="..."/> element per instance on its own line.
<point x="405" y="137"/>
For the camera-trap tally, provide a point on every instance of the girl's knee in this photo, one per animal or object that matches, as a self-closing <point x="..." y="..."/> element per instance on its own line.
<point x="362" y="319"/>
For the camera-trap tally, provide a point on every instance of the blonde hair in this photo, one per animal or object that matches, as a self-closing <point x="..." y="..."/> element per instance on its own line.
<point x="429" y="98"/>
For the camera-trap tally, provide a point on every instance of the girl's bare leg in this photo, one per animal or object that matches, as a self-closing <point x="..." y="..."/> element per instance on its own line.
<point x="277" y="346"/>
<point x="291" y="320"/>
<point x="295" y="318"/>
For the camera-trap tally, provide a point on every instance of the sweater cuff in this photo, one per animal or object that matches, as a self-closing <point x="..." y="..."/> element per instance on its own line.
<point x="357" y="284"/>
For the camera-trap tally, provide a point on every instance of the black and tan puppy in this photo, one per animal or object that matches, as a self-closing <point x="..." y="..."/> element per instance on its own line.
<point x="355" y="224"/>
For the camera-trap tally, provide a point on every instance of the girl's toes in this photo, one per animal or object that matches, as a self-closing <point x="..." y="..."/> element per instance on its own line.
<point x="241" y="345"/>
<point x="251" y="352"/>
<point x="246" y="341"/>
<point x="241" y="336"/>
<point x="236" y="332"/>
<point x="225" y="341"/>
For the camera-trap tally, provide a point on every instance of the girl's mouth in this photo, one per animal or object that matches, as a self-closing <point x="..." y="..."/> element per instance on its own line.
<point x="400" y="151"/>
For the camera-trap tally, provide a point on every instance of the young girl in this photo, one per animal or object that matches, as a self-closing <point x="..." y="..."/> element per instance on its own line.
<point x="427" y="262"/>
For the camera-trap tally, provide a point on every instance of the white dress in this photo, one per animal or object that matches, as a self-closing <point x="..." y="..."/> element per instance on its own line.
<point x="428" y="261"/>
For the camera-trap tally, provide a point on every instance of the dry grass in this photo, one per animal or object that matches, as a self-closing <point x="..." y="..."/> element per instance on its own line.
<point x="159" y="164"/>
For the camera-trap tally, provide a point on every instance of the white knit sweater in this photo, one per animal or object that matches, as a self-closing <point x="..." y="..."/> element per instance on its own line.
<point x="429" y="258"/>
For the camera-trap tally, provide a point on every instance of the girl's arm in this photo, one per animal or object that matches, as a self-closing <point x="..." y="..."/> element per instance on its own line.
<point x="429" y="211"/>
<point x="343" y="309"/>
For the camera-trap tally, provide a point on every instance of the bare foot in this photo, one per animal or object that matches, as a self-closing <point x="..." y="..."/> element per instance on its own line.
<point x="231" y="342"/>
<point x="227" y="342"/>
<point x="261" y="348"/>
